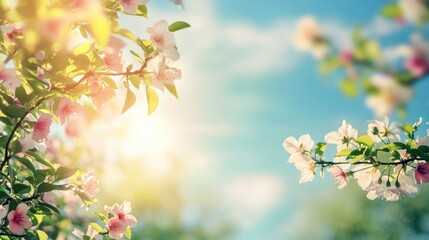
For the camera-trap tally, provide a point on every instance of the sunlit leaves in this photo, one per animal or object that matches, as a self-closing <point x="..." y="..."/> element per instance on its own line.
<point x="349" y="87"/>
<point x="176" y="26"/>
<point x="142" y="11"/>
<point x="100" y="29"/>
<point x="130" y="99"/>
<point x="152" y="100"/>
<point x="320" y="148"/>
<point x="64" y="172"/>
<point x="365" y="140"/>
<point x="393" y="11"/>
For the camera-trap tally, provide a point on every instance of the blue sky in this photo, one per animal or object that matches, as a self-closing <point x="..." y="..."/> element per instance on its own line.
<point x="245" y="89"/>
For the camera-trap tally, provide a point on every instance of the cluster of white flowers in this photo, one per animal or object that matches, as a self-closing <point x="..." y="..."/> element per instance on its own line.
<point x="381" y="164"/>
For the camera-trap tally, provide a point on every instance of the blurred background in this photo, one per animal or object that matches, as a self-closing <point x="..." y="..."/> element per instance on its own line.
<point x="211" y="165"/>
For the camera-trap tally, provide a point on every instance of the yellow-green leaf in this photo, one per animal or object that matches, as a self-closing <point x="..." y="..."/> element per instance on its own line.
<point x="130" y="99"/>
<point x="128" y="233"/>
<point x="365" y="140"/>
<point x="349" y="88"/>
<point x="357" y="159"/>
<point x="176" y="26"/>
<point x="152" y="100"/>
<point x="344" y="152"/>
<point x="42" y="235"/>
<point x="172" y="89"/>
<point x="96" y="227"/>
<point x="100" y="29"/>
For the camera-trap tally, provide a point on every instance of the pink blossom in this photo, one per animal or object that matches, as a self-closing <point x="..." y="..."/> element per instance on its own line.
<point x="179" y="2"/>
<point x="417" y="65"/>
<point x="163" y="40"/>
<point x="18" y="219"/>
<point x="99" y="94"/>
<point x="121" y="213"/>
<point x="340" y="176"/>
<point x="165" y="75"/>
<point x="421" y="174"/>
<point x="74" y="126"/>
<point x="49" y="198"/>
<point x="42" y="127"/>
<point x="346" y="57"/>
<point x="8" y="77"/>
<point x="130" y="6"/>
<point x="67" y="107"/>
<point x="52" y="28"/>
<point x="27" y="143"/>
<point x="11" y="31"/>
<point x="113" y="62"/>
<point x="90" y="185"/>
<point x="309" y="37"/>
<point x="115" y="45"/>
<point x="116" y="228"/>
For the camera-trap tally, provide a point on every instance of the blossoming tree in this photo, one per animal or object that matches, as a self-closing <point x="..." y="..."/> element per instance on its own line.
<point x="59" y="56"/>
<point x="382" y="164"/>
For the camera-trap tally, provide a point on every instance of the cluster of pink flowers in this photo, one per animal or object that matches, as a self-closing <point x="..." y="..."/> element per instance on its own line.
<point x="121" y="219"/>
<point x="116" y="225"/>
<point x="385" y="177"/>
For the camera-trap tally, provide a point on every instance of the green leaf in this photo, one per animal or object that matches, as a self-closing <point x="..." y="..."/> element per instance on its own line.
<point x="52" y="208"/>
<point x="42" y="235"/>
<point x="424" y="148"/>
<point x="83" y="48"/>
<point x="152" y="100"/>
<point x="19" y="188"/>
<point x="27" y="163"/>
<point x="97" y="227"/>
<point x="3" y="195"/>
<point x="130" y="99"/>
<point x="110" y="82"/>
<point x="64" y="172"/>
<point x="349" y="88"/>
<point x="100" y="216"/>
<point x="100" y="29"/>
<point x="329" y="64"/>
<point x="344" y="152"/>
<point x="40" y="159"/>
<point x="409" y="130"/>
<point x="172" y="89"/>
<point x="372" y="49"/>
<point x="135" y="80"/>
<point x="392" y="11"/>
<point x="419" y="153"/>
<point x="13" y="111"/>
<point x="320" y="148"/>
<point x="400" y="145"/>
<point x="357" y="159"/>
<point x="365" y="140"/>
<point x="142" y="11"/>
<point x="135" y="54"/>
<point x="48" y="187"/>
<point x="178" y="26"/>
<point x="128" y="233"/>
<point x="81" y="62"/>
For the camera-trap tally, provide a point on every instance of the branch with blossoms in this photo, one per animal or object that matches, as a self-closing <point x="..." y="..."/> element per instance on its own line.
<point x="379" y="161"/>
<point x="59" y="57"/>
<point x="387" y="80"/>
